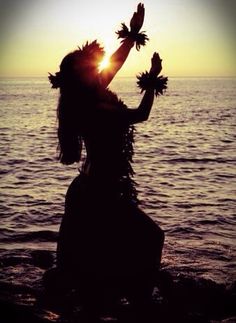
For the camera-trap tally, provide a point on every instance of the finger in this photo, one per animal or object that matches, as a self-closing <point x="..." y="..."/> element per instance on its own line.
<point x="134" y="16"/>
<point x="157" y="55"/>
<point x="141" y="16"/>
<point x="140" y="9"/>
<point x="143" y="9"/>
<point x="156" y="58"/>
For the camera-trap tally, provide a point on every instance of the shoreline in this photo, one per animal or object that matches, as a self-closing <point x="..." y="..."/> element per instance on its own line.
<point x="176" y="299"/>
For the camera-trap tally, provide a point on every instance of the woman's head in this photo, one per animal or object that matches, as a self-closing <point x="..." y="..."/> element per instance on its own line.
<point x="79" y="67"/>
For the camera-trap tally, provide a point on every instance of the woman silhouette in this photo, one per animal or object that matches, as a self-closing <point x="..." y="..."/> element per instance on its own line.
<point x="106" y="242"/>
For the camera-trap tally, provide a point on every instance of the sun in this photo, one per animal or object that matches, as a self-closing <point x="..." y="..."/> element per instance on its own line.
<point x="104" y="63"/>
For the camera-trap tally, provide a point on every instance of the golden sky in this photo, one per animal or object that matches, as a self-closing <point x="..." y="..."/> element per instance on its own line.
<point x="193" y="37"/>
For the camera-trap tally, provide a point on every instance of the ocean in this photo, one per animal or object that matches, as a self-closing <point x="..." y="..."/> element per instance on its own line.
<point x="185" y="165"/>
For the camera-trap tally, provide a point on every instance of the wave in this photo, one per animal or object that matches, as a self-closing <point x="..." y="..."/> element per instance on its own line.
<point x="8" y="235"/>
<point x="199" y="160"/>
<point x="36" y="258"/>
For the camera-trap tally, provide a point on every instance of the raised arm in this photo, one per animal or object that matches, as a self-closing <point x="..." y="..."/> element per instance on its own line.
<point x="116" y="62"/>
<point x="149" y="82"/>
<point x="142" y="112"/>
<point x="120" y="55"/>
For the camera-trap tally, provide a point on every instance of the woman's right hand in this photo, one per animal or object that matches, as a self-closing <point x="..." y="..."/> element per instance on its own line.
<point x="136" y="21"/>
<point x="156" y="64"/>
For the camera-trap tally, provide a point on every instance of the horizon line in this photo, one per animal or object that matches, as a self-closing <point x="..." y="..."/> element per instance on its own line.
<point x="130" y="76"/>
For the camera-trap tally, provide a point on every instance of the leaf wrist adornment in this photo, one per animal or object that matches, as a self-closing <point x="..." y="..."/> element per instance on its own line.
<point x="147" y="81"/>
<point x="140" y="38"/>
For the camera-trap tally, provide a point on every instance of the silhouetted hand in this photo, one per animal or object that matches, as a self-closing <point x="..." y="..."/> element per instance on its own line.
<point x="136" y="21"/>
<point x="156" y="65"/>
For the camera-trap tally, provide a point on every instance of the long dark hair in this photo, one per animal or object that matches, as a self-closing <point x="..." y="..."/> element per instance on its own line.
<point x="71" y="112"/>
<point x="68" y="132"/>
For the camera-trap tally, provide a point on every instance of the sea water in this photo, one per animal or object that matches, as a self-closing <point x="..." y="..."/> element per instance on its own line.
<point x="185" y="164"/>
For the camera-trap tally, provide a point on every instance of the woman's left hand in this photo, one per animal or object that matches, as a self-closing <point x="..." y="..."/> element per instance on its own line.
<point x="156" y="64"/>
<point x="136" y="21"/>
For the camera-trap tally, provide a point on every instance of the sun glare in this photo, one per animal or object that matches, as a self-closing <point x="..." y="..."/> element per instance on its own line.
<point x="104" y="63"/>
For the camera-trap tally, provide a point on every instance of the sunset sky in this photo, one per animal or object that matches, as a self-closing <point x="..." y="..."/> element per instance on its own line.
<point x="194" y="37"/>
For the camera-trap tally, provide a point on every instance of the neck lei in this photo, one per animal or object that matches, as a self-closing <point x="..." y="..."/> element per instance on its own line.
<point x="127" y="186"/>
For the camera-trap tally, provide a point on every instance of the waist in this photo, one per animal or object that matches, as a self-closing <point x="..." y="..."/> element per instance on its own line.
<point x="107" y="169"/>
